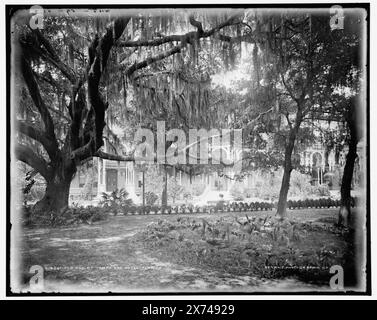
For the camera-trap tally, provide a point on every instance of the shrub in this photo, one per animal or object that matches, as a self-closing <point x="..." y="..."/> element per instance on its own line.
<point x="116" y="200"/>
<point x="334" y="179"/>
<point x="147" y="209"/>
<point x="299" y="184"/>
<point x="175" y="190"/>
<point x="187" y="194"/>
<point x="280" y="247"/>
<point x="73" y="215"/>
<point x="32" y="190"/>
<point x="150" y="198"/>
<point x="89" y="214"/>
<point x="321" y="190"/>
<point x="268" y="187"/>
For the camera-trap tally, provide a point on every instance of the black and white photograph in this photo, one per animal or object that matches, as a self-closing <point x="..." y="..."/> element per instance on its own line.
<point x="188" y="149"/>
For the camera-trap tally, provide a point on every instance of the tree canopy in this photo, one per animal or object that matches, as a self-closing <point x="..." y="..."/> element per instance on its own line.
<point x="88" y="73"/>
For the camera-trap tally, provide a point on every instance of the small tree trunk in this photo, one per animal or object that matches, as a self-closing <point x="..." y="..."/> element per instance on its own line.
<point x="283" y="194"/>
<point x="345" y="189"/>
<point x="282" y="203"/>
<point x="57" y="190"/>
<point x="338" y="150"/>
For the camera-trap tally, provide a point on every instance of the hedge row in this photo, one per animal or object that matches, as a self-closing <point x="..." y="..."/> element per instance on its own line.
<point x="315" y="203"/>
<point x="232" y="207"/>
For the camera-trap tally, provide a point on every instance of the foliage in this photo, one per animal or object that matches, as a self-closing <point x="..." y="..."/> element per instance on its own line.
<point x="64" y="115"/>
<point x="222" y="206"/>
<point x="154" y="180"/>
<point x="321" y="190"/>
<point x="333" y="179"/>
<point x="57" y="127"/>
<point x="150" y="198"/>
<point x="31" y="184"/>
<point x="296" y="64"/>
<point x="268" y="186"/>
<point x="175" y="189"/>
<point x="290" y="96"/>
<point x="300" y="184"/>
<point x="70" y="216"/>
<point x="187" y="194"/>
<point x="33" y="190"/>
<point x="260" y="246"/>
<point x="116" y="200"/>
<point x="79" y="214"/>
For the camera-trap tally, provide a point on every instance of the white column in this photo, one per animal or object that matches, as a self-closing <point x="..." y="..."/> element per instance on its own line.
<point x="126" y="175"/>
<point x="104" y="175"/>
<point x="99" y="177"/>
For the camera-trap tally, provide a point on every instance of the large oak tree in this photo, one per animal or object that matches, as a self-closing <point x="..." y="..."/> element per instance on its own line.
<point x="69" y="69"/>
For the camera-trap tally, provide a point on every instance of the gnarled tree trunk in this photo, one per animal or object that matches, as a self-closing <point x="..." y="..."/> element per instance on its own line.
<point x="84" y="137"/>
<point x="85" y="113"/>
<point x="57" y="189"/>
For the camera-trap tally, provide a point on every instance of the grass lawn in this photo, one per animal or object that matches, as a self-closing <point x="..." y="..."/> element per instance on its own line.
<point x="127" y="253"/>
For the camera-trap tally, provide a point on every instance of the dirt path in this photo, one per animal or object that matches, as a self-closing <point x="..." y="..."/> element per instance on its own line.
<point x="104" y="257"/>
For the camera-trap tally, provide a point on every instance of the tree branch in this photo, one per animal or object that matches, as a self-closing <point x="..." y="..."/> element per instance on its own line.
<point x="84" y="151"/>
<point x="26" y="155"/>
<point x="59" y="113"/>
<point x="184" y="39"/>
<point x="34" y="92"/>
<point x="149" y="61"/>
<point x="286" y="114"/>
<point x="256" y="119"/>
<point x="115" y="157"/>
<point x="98" y="56"/>
<point x="288" y="88"/>
<point x="181" y="38"/>
<point x="197" y="24"/>
<point x="51" y="56"/>
<point x="38" y="135"/>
